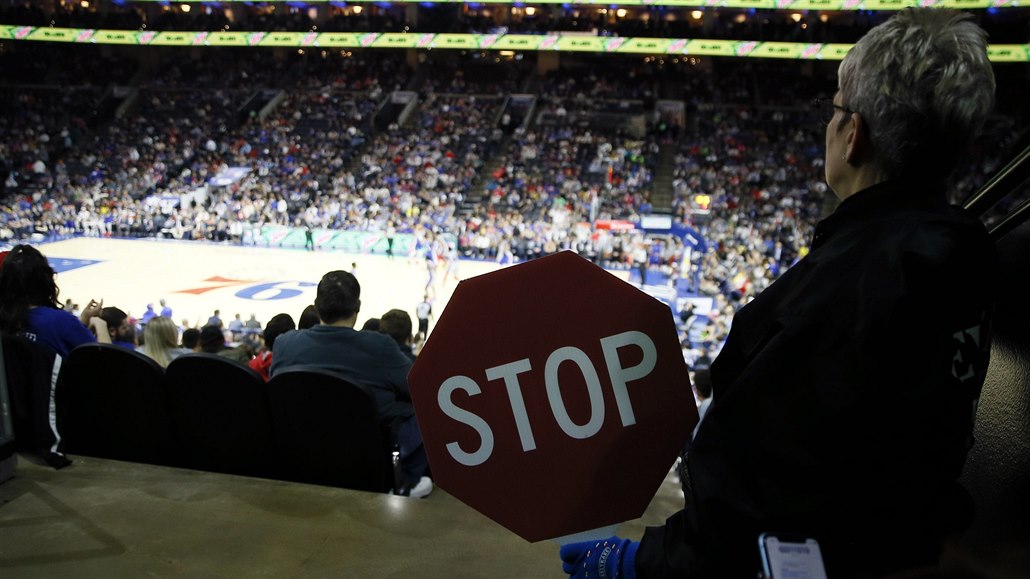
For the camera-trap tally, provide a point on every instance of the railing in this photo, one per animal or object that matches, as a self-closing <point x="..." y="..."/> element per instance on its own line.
<point x="1010" y="179"/>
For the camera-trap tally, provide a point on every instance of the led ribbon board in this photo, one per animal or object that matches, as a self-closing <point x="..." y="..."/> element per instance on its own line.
<point x="764" y="4"/>
<point x="548" y="42"/>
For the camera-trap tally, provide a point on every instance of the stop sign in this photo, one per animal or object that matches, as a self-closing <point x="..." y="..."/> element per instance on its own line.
<point x="553" y="397"/>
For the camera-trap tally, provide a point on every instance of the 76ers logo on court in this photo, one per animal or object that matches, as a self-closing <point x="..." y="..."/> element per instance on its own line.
<point x="250" y="289"/>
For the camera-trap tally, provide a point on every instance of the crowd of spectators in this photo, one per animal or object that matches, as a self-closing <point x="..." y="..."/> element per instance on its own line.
<point x="550" y="183"/>
<point x="759" y="175"/>
<point x="317" y="160"/>
<point x="177" y="135"/>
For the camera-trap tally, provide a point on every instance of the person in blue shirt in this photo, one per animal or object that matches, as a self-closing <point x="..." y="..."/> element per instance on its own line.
<point x="148" y="315"/>
<point x="29" y="306"/>
<point x="215" y="319"/>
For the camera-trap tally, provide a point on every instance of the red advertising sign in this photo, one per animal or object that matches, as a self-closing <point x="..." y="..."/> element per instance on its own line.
<point x="553" y="397"/>
<point x="614" y="225"/>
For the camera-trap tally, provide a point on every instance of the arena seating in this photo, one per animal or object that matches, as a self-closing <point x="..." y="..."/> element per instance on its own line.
<point x="220" y="416"/>
<point x="209" y="413"/>
<point x="112" y="404"/>
<point x="329" y="155"/>
<point x="31" y="378"/>
<point x="327" y="431"/>
<point x="69" y="165"/>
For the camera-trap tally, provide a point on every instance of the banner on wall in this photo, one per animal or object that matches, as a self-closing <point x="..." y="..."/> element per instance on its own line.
<point x="349" y="241"/>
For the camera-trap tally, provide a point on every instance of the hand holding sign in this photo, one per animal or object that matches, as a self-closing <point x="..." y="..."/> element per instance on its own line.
<point x="540" y="378"/>
<point x="614" y="558"/>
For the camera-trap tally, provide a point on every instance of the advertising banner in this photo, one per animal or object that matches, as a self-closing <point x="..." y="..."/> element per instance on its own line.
<point x="555" y="42"/>
<point x="54" y="34"/>
<point x="116" y="37"/>
<point x="173" y="38"/>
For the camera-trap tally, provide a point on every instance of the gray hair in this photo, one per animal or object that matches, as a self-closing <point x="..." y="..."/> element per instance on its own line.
<point x="923" y="84"/>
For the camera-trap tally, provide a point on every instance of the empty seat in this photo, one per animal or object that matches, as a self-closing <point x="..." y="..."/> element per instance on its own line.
<point x="220" y="417"/>
<point x="327" y="431"/>
<point x="111" y="404"/>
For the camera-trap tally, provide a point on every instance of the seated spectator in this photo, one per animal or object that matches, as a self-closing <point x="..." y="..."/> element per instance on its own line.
<point x="29" y="305"/>
<point x="308" y="318"/>
<point x="236" y="328"/>
<point x="118" y="327"/>
<point x="148" y="315"/>
<point x="279" y="324"/>
<point x="191" y="339"/>
<point x="366" y="358"/>
<point x="252" y="326"/>
<point x="397" y="324"/>
<point x="215" y="320"/>
<point x="159" y="341"/>
<point x="212" y="341"/>
<point x="371" y="325"/>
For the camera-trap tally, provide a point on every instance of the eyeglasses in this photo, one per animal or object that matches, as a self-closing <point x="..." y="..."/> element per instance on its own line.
<point x="826" y="109"/>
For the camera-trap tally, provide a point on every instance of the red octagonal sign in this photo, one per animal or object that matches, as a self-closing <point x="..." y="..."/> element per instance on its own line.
<point x="553" y="397"/>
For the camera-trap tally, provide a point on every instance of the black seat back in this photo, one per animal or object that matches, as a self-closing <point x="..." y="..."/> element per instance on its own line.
<point x="327" y="431"/>
<point x="112" y="405"/>
<point x="31" y="371"/>
<point x="220" y="415"/>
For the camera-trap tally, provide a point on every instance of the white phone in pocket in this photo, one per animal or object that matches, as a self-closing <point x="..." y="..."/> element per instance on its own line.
<point x="790" y="557"/>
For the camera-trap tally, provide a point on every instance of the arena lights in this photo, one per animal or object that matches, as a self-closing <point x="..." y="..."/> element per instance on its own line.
<point x="512" y="42"/>
<point x="764" y="4"/>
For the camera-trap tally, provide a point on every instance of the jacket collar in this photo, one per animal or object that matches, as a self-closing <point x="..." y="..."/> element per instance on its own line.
<point x="880" y="200"/>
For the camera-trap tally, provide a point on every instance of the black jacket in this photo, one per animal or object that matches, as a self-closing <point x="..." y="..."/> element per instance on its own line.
<point x="844" y="397"/>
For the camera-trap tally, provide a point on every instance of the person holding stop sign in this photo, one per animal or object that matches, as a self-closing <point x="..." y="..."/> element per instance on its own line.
<point x="845" y="395"/>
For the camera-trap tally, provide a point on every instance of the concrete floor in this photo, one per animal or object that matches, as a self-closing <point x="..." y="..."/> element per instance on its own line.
<point x="103" y="518"/>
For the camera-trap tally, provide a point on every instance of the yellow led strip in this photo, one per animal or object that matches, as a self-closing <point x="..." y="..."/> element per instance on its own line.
<point x="536" y="42"/>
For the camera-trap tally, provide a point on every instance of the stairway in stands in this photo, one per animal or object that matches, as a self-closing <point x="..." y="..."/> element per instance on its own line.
<point x="662" y="194"/>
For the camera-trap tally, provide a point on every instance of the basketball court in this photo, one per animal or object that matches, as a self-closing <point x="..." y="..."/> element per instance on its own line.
<point x="196" y="278"/>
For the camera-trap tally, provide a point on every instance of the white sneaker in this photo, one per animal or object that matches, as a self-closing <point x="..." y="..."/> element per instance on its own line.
<point x="422" y="489"/>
